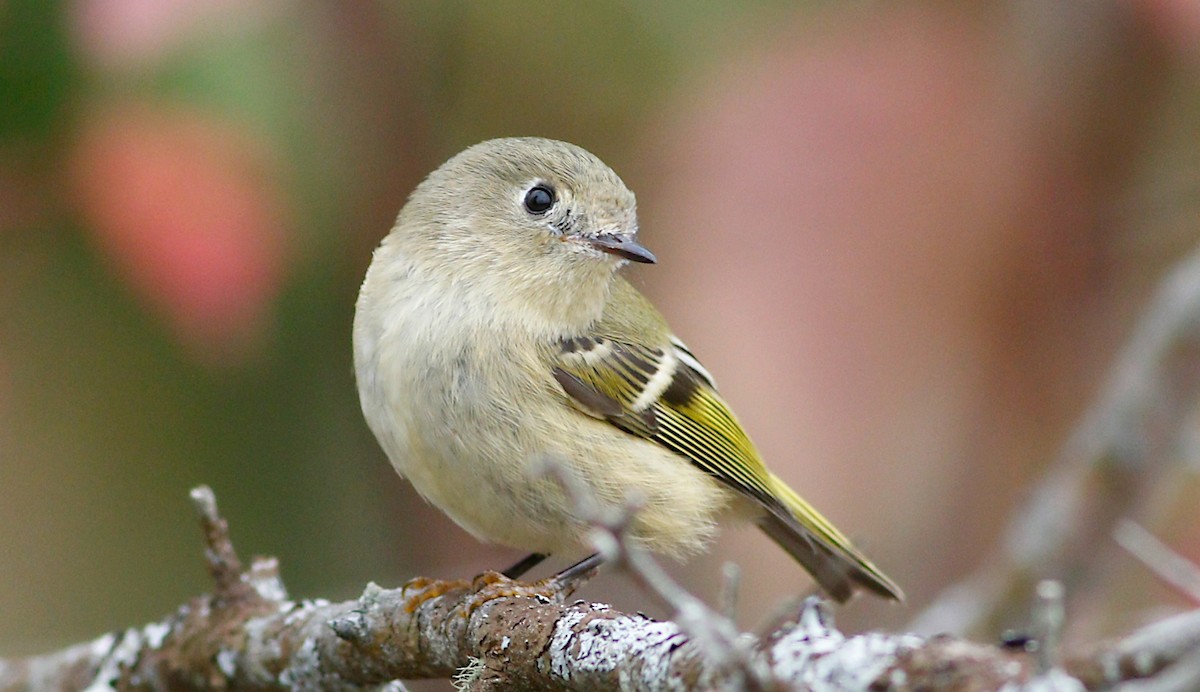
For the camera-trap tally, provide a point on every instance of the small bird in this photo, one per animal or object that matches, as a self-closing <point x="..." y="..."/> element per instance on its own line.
<point x="493" y="331"/>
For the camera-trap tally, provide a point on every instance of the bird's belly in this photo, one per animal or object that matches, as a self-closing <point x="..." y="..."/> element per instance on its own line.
<point x="476" y="456"/>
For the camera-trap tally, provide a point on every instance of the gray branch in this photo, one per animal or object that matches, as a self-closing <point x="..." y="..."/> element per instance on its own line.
<point x="493" y="633"/>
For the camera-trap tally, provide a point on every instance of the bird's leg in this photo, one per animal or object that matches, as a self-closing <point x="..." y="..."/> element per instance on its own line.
<point x="490" y="585"/>
<point x="580" y="571"/>
<point x="524" y="565"/>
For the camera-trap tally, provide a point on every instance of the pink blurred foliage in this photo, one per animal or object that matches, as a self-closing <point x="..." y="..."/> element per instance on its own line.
<point x="1175" y="22"/>
<point x="901" y="258"/>
<point x="864" y="172"/>
<point x="116" y="33"/>
<point x="186" y="207"/>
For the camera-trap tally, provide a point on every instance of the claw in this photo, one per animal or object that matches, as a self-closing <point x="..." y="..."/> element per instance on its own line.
<point x="428" y="589"/>
<point x="492" y="585"/>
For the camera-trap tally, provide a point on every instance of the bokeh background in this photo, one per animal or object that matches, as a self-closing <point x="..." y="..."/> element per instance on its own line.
<point x="906" y="237"/>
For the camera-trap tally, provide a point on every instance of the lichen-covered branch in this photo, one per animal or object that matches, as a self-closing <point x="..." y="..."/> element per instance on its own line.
<point x="493" y="633"/>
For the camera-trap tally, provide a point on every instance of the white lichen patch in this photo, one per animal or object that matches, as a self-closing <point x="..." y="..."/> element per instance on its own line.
<point x="302" y="610"/>
<point x="372" y="592"/>
<point x="270" y="588"/>
<point x="121" y="655"/>
<point x="468" y="675"/>
<point x="155" y="634"/>
<point x="303" y="671"/>
<point x="560" y="663"/>
<point x="42" y="669"/>
<point x="820" y="658"/>
<point x="227" y="662"/>
<point x="261" y="645"/>
<point x="102" y="646"/>
<point x="606" y="645"/>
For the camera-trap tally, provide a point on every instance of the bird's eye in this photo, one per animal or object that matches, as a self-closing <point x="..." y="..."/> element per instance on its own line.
<point x="539" y="199"/>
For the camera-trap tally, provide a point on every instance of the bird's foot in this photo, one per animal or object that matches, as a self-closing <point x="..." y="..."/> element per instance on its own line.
<point x="492" y="585"/>
<point x="425" y="589"/>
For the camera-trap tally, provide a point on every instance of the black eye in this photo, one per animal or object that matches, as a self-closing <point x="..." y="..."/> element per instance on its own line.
<point x="539" y="199"/>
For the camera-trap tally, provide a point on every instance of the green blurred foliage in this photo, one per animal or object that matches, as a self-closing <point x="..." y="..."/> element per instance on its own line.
<point x="37" y="69"/>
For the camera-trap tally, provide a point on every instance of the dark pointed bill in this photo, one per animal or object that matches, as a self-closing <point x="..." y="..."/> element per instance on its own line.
<point x="623" y="247"/>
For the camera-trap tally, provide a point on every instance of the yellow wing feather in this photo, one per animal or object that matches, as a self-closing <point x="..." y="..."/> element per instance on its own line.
<point x="660" y="392"/>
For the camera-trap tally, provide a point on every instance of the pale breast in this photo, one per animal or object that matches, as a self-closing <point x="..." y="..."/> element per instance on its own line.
<point x="467" y="416"/>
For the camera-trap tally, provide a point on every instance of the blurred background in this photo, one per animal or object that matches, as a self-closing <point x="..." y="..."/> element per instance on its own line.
<point x="906" y="237"/>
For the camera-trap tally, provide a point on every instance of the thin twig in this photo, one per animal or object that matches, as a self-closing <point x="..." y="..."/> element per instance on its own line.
<point x="223" y="561"/>
<point x="716" y="636"/>
<point x="1172" y="568"/>
<point x="1120" y="449"/>
<point x="1048" y="618"/>
<point x="731" y="581"/>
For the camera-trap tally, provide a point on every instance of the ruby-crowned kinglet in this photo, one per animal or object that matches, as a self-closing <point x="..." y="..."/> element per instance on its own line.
<point x="493" y="331"/>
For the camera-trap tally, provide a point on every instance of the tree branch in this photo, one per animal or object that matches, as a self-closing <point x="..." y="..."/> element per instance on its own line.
<point x="506" y="635"/>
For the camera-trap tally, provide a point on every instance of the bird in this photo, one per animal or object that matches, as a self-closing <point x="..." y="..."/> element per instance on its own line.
<point x="494" y="329"/>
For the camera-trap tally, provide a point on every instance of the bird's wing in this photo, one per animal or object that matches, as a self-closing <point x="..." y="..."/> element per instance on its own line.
<point x="661" y="393"/>
<point x="629" y="370"/>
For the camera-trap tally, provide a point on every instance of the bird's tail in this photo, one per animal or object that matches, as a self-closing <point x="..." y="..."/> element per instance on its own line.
<point x="817" y="545"/>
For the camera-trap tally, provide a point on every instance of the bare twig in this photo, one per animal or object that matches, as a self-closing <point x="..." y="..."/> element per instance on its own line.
<point x="1175" y="570"/>
<point x="1184" y="676"/>
<point x="1048" y="617"/>
<point x="730" y="652"/>
<point x="1143" y="655"/>
<point x="1109" y="465"/>
<point x="232" y="581"/>
<point x="731" y="581"/>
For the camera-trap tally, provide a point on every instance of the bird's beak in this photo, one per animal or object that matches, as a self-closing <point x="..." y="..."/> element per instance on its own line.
<point x="623" y="246"/>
